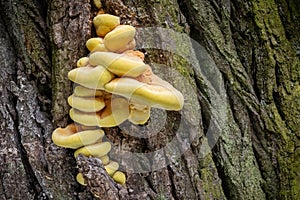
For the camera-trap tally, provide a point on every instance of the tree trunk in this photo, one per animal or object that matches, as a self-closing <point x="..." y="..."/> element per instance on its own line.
<point x="236" y="63"/>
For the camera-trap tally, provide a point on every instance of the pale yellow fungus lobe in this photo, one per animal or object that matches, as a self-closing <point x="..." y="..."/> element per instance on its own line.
<point x="82" y="62"/>
<point x="113" y="68"/>
<point x="111" y="167"/>
<point x="119" y="64"/>
<point x="86" y="104"/>
<point x="120" y="39"/>
<point x="104" y="159"/>
<point x="160" y="96"/>
<point x="96" y="44"/>
<point x="81" y="91"/>
<point x="97" y="3"/>
<point x="80" y="179"/>
<point x="69" y="137"/>
<point x="104" y="23"/>
<point x="81" y="127"/>
<point x="91" y="77"/>
<point x="139" y="114"/>
<point x="115" y="112"/>
<point x="97" y="150"/>
<point x="119" y="177"/>
<point x="84" y="118"/>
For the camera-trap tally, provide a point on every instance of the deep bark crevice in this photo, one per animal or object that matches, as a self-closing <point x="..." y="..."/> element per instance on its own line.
<point x="173" y="188"/>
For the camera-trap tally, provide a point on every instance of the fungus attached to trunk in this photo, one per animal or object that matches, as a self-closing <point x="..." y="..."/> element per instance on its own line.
<point x="113" y="85"/>
<point x="120" y="39"/>
<point x="97" y="150"/>
<point x="119" y="64"/>
<point x="91" y="77"/>
<point x="105" y="23"/>
<point x="86" y="104"/>
<point x="69" y="137"/>
<point x="156" y="95"/>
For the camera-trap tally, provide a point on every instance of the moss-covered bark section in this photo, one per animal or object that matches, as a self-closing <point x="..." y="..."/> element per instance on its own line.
<point x="234" y="156"/>
<point x="278" y="78"/>
<point x="254" y="51"/>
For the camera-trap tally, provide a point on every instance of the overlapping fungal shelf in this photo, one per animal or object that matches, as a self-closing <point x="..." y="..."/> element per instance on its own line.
<point x="113" y="84"/>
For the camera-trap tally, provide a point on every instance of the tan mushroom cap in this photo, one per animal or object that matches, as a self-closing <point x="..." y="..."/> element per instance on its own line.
<point x="81" y="127"/>
<point x="104" y="23"/>
<point x="69" y="137"/>
<point x="97" y="3"/>
<point x="97" y="150"/>
<point x="139" y="114"/>
<point x="82" y="62"/>
<point x="104" y="159"/>
<point x="80" y="179"/>
<point x="119" y="177"/>
<point x="119" y="64"/>
<point x="86" y="104"/>
<point x="85" y="118"/>
<point x="91" y="77"/>
<point x="111" y="167"/>
<point x="81" y="91"/>
<point x="115" y="112"/>
<point x="160" y="96"/>
<point x="120" y="39"/>
<point x="95" y="44"/>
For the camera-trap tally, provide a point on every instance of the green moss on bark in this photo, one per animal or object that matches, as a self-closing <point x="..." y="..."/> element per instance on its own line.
<point x="281" y="87"/>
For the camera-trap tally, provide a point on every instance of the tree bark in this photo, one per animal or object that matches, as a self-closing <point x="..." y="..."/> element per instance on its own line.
<point x="236" y="63"/>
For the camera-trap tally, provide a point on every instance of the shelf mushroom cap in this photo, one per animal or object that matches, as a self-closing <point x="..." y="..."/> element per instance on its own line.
<point x="86" y="104"/>
<point x="82" y="62"/>
<point x="119" y="177"/>
<point x="104" y="23"/>
<point x="111" y="167"/>
<point x="91" y="77"/>
<point x="119" y="64"/>
<point x="104" y="159"/>
<point x="158" y="95"/>
<point x="69" y="137"/>
<point x="84" y="118"/>
<point x="115" y="112"/>
<point x="120" y="39"/>
<point x="80" y="179"/>
<point x="139" y="114"/>
<point x="81" y="91"/>
<point x="97" y="150"/>
<point x="95" y="44"/>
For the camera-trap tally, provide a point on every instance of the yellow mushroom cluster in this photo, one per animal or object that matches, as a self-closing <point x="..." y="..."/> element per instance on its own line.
<point x="113" y="84"/>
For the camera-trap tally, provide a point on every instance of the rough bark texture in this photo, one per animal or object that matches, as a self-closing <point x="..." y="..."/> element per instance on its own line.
<point x="248" y="48"/>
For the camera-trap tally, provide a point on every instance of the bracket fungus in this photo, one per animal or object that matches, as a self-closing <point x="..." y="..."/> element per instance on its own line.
<point x="91" y="77"/>
<point x="119" y="64"/>
<point x="81" y="91"/>
<point x="105" y="23"/>
<point x="97" y="150"/>
<point x="120" y="39"/>
<point x="70" y="137"/>
<point x="86" y="104"/>
<point x="113" y="84"/>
